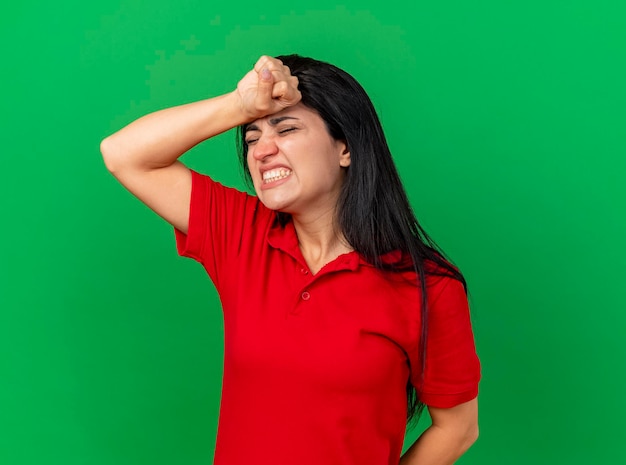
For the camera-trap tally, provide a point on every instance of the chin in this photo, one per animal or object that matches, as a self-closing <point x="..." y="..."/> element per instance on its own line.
<point x="276" y="201"/>
<point x="276" y="205"/>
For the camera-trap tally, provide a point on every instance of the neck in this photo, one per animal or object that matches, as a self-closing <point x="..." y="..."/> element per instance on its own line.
<point x="319" y="240"/>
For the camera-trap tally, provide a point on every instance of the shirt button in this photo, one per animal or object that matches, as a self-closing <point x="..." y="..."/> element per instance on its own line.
<point x="306" y="295"/>
<point x="304" y="271"/>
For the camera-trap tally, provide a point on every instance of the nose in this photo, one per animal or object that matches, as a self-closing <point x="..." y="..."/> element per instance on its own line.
<point x="264" y="147"/>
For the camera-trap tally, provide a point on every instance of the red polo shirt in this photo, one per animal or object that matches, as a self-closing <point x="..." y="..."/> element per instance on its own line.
<point x="315" y="366"/>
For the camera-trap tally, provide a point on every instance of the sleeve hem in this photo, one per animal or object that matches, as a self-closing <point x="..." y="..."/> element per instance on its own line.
<point x="448" y="400"/>
<point x="191" y="244"/>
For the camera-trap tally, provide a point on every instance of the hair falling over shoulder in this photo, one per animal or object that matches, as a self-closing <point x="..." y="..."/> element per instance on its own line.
<point x="373" y="211"/>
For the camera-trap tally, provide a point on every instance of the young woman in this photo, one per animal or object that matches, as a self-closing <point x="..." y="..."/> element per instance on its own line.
<point x="342" y="318"/>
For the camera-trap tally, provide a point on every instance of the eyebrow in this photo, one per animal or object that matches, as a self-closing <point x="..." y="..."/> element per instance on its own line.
<point x="272" y="121"/>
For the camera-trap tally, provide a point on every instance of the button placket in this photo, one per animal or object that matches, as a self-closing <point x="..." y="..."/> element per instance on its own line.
<point x="304" y="294"/>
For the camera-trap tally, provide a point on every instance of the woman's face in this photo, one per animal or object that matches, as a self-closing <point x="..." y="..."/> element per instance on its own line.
<point x="296" y="166"/>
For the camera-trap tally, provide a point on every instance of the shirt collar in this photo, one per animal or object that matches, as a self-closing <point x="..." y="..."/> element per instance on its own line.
<point x="284" y="238"/>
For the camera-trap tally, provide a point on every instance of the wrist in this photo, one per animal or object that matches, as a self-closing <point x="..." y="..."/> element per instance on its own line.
<point x="237" y="107"/>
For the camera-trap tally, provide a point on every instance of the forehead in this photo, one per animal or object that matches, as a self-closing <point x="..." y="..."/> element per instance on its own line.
<point x="298" y="112"/>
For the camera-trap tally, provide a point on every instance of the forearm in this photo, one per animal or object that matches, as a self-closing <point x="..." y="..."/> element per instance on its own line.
<point x="159" y="139"/>
<point x="439" y="446"/>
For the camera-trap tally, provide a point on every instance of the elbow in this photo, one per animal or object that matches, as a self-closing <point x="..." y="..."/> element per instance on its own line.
<point x="106" y="150"/>
<point x="470" y="437"/>
<point x="109" y="154"/>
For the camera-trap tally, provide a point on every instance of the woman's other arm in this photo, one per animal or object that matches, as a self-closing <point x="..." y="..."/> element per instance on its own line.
<point x="452" y="432"/>
<point x="143" y="156"/>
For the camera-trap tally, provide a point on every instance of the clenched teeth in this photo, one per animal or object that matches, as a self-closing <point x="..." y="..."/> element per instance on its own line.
<point x="275" y="175"/>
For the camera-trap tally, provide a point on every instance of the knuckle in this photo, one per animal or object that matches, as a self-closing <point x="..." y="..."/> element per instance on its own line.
<point x="259" y="63"/>
<point x="280" y="87"/>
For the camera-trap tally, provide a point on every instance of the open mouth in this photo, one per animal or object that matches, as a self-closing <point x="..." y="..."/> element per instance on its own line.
<point x="275" y="175"/>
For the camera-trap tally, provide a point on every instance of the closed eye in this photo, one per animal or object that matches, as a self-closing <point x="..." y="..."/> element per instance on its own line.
<point x="252" y="140"/>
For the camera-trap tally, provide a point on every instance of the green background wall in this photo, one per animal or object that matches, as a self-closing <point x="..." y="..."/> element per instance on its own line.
<point x="507" y="120"/>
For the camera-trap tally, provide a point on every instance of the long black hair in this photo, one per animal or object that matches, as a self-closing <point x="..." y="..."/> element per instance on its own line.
<point x="373" y="211"/>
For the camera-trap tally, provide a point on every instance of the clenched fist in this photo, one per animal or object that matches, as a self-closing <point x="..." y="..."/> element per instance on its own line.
<point x="267" y="88"/>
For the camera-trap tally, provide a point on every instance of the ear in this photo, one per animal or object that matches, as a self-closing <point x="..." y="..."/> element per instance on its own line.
<point x="344" y="157"/>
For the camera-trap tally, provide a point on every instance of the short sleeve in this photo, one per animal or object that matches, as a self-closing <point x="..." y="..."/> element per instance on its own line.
<point x="220" y="219"/>
<point x="191" y="245"/>
<point x="452" y="370"/>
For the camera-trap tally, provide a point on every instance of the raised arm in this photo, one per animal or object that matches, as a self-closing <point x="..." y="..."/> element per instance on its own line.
<point x="143" y="156"/>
